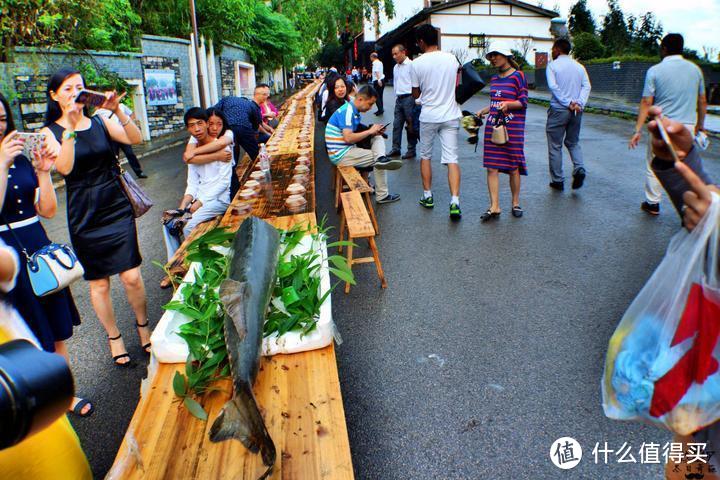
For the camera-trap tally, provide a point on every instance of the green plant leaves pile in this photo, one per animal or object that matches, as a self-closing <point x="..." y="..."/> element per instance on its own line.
<point x="204" y="335"/>
<point x="295" y="305"/>
<point x="296" y="297"/>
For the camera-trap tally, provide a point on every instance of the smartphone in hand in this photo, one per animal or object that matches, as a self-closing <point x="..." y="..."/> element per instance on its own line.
<point x="33" y="142"/>
<point x="666" y="138"/>
<point x="90" y="97"/>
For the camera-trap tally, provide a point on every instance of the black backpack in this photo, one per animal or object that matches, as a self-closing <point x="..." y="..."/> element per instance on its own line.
<point x="470" y="83"/>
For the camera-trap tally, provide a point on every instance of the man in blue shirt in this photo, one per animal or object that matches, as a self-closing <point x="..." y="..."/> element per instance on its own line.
<point x="570" y="86"/>
<point x="244" y="118"/>
<point x="344" y="133"/>
<point x="677" y="86"/>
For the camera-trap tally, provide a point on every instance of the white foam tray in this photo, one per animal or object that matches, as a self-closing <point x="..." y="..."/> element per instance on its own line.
<point x="168" y="347"/>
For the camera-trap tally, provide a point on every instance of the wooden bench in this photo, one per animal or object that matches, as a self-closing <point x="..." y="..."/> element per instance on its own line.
<point x="355" y="181"/>
<point x="354" y="217"/>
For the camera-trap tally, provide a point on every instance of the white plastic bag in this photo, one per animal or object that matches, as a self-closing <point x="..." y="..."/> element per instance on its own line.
<point x="662" y="361"/>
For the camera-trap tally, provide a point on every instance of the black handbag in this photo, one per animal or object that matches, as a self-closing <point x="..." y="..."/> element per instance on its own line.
<point x="470" y="83"/>
<point x="139" y="200"/>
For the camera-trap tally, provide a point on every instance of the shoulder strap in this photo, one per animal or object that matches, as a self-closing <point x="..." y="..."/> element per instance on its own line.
<point x="109" y="139"/>
<point x="15" y="237"/>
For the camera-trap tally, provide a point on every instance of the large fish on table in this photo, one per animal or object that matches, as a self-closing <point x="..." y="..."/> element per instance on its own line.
<point x="246" y="295"/>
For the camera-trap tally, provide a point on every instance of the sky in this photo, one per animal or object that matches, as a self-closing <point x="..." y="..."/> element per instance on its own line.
<point x="697" y="20"/>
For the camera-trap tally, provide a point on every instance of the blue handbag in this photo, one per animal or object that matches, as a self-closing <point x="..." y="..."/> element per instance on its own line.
<point x="51" y="268"/>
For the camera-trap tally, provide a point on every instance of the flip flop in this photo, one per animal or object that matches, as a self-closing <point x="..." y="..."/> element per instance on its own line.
<point x="78" y="408"/>
<point x="517" y="211"/>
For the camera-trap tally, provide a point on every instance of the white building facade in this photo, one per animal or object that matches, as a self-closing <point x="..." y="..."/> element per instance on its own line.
<point x="471" y="28"/>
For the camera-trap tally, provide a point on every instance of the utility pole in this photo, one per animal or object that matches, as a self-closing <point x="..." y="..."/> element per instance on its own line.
<point x="196" y="41"/>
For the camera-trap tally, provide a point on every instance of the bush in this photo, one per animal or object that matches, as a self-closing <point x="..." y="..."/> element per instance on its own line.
<point x="587" y="46"/>
<point x="623" y="58"/>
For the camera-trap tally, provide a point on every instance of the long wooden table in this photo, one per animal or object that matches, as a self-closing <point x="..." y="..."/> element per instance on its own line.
<point x="299" y="396"/>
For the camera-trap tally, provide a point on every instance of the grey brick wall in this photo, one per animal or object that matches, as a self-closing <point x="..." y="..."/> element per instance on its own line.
<point x="175" y="48"/>
<point x="625" y="83"/>
<point x="224" y="66"/>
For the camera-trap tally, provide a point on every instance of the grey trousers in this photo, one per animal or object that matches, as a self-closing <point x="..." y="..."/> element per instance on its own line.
<point x="404" y="116"/>
<point x="563" y="127"/>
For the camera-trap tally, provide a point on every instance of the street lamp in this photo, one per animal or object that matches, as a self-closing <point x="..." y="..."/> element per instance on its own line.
<point x="200" y="79"/>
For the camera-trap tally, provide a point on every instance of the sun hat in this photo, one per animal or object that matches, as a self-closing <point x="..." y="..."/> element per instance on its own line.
<point x="502" y="51"/>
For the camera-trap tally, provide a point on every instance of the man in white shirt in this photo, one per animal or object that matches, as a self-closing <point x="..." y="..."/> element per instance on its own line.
<point x="570" y="86"/>
<point x="404" y="103"/>
<point x="207" y="194"/>
<point x="678" y="87"/>
<point x="434" y="76"/>
<point x="378" y="80"/>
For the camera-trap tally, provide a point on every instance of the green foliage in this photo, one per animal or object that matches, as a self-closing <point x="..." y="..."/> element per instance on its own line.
<point x="295" y="306"/>
<point x="615" y="34"/>
<point x="330" y="54"/>
<point x="296" y="297"/>
<point x="207" y="360"/>
<point x="623" y="58"/>
<point x="587" y="46"/>
<point x="691" y="54"/>
<point x="520" y="59"/>
<point x="581" y="19"/>
<point x="273" y="40"/>
<point x="647" y="35"/>
<point x="79" y="24"/>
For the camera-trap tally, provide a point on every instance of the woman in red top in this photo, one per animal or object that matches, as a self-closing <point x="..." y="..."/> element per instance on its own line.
<point x="508" y="101"/>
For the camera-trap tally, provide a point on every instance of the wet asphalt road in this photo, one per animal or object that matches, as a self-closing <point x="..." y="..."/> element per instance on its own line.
<point x="490" y="340"/>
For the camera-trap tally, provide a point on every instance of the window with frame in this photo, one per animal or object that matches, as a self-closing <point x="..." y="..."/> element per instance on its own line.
<point x="478" y="41"/>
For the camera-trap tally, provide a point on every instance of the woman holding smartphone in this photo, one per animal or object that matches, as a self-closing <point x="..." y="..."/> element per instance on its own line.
<point x="100" y="217"/>
<point x="27" y="193"/>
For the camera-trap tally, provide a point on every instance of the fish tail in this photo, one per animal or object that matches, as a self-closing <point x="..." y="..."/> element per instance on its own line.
<point x="241" y="419"/>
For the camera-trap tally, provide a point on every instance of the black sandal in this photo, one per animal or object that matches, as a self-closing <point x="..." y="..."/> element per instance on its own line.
<point x="517" y="211"/>
<point x="489" y="215"/>
<point x="147" y="347"/>
<point x="122" y="355"/>
<point x="78" y="408"/>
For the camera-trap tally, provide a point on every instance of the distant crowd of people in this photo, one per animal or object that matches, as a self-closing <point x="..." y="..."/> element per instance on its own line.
<point x="427" y="110"/>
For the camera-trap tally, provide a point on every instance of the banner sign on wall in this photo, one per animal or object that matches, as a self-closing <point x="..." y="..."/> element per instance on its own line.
<point x="160" y="87"/>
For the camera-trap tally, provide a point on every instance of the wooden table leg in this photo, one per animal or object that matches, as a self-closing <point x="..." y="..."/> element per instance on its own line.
<point x="376" y="256"/>
<point x="371" y="211"/>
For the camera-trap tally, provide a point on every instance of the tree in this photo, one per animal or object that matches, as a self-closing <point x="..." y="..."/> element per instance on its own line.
<point x="272" y="40"/>
<point x="614" y="34"/>
<point x="520" y="59"/>
<point x="647" y="35"/>
<point x="710" y="53"/>
<point x="524" y="45"/>
<point x="587" y="46"/>
<point x="84" y="24"/>
<point x="581" y="19"/>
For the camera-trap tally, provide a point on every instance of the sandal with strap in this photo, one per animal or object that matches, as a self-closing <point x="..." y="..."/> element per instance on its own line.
<point x="489" y="215"/>
<point x="78" y="408"/>
<point x="147" y="346"/>
<point x="122" y="355"/>
<point x="517" y="211"/>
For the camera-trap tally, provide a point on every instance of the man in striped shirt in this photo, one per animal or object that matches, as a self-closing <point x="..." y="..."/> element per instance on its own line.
<point x="345" y="140"/>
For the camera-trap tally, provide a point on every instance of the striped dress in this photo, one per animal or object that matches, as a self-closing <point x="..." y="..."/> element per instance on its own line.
<point x="509" y="157"/>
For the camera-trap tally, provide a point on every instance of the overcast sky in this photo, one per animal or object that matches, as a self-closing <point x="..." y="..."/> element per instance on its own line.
<point x="697" y="20"/>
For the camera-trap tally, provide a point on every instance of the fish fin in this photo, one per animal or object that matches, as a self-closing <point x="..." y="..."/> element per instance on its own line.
<point x="232" y="296"/>
<point x="241" y="419"/>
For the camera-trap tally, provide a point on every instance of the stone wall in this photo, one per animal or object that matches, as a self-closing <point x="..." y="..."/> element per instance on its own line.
<point x="627" y="81"/>
<point x="225" y="67"/>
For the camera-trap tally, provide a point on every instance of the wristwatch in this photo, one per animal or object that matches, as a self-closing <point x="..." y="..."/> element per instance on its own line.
<point x="68" y="135"/>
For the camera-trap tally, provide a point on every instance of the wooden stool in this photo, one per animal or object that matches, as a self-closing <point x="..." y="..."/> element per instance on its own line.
<point x="355" y="218"/>
<point x="356" y="181"/>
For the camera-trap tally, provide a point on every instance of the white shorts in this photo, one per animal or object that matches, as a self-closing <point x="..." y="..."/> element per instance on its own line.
<point x="447" y="132"/>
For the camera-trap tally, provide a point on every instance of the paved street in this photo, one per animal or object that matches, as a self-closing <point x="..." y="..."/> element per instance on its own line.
<point x="489" y="342"/>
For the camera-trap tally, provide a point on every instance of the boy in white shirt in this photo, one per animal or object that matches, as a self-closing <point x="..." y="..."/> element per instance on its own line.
<point x="434" y="76"/>
<point x="209" y="159"/>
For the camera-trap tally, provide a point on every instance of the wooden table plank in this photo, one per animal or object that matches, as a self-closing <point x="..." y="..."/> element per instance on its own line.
<point x="299" y="396"/>
<point x="356" y="215"/>
<point x="354" y="180"/>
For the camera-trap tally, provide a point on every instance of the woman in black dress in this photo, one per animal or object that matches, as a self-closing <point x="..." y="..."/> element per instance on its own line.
<point x="100" y="217"/>
<point x="26" y="194"/>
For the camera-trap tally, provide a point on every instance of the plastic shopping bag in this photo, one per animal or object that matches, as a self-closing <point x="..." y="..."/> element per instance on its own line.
<point x="662" y="361"/>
